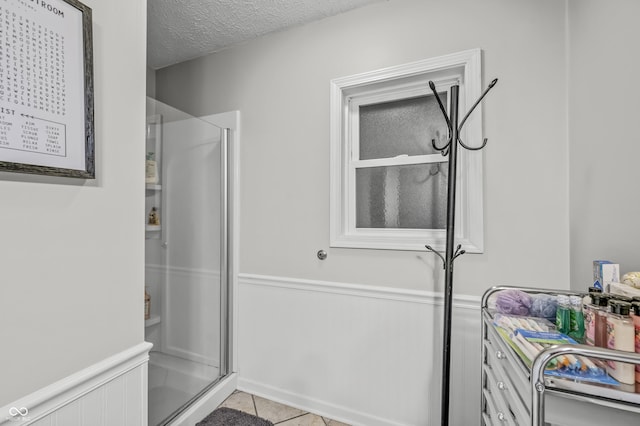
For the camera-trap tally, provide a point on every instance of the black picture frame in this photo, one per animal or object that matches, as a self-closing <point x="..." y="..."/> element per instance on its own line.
<point x="80" y="118"/>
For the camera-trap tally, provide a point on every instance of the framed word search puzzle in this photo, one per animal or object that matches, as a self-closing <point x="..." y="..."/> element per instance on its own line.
<point x="46" y="88"/>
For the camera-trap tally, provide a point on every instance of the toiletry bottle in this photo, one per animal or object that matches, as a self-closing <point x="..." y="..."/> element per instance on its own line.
<point x="563" y="317"/>
<point x="154" y="218"/>
<point x="636" y="323"/>
<point x="589" y="313"/>
<point x="147" y="304"/>
<point x="587" y="300"/>
<point x="620" y="298"/>
<point x="600" y="307"/>
<point x="151" y="169"/>
<point x="621" y="336"/>
<point x="576" y="319"/>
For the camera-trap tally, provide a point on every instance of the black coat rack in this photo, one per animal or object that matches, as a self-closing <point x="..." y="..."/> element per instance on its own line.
<point x="451" y="149"/>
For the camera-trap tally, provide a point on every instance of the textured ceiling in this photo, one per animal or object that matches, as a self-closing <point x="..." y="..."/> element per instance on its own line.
<point x="178" y="30"/>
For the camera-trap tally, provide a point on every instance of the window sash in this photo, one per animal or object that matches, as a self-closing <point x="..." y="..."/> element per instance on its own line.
<point x="352" y="199"/>
<point x="413" y="90"/>
<point x="354" y="163"/>
<point x="400" y="160"/>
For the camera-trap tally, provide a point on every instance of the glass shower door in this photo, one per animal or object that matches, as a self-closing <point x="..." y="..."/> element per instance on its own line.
<point x="186" y="263"/>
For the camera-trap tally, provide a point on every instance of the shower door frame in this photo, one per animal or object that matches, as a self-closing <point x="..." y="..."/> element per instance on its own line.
<point x="229" y="122"/>
<point x="225" y="266"/>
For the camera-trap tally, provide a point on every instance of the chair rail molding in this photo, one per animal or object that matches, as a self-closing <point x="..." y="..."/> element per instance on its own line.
<point x="361" y="290"/>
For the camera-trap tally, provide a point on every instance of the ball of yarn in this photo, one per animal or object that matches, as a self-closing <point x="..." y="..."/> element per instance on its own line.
<point x="514" y="302"/>
<point x="544" y="306"/>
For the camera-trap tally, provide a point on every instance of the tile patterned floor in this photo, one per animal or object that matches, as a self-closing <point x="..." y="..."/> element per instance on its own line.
<point x="279" y="414"/>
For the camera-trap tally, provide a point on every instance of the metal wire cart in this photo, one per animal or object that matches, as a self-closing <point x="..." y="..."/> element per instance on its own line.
<point x="518" y="393"/>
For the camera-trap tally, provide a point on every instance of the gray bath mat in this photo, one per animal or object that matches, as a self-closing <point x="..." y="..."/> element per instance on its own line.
<point x="224" y="416"/>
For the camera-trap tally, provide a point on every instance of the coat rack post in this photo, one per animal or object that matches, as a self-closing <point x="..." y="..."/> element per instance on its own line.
<point x="448" y="263"/>
<point x="451" y="149"/>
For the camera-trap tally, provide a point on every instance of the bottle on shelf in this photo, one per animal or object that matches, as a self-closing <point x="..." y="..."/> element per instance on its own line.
<point x="636" y="323"/>
<point x="576" y="319"/>
<point x="587" y="300"/>
<point x="621" y="336"/>
<point x="154" y="217"/>
<point x="147" y="304"/>
<point x="151" y="169"/>
<point x="595" y="319"/>
<point x="563" y="316"/>
<point x="602" y="301"/>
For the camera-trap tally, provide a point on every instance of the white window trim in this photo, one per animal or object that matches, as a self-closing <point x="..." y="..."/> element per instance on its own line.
<point x="372" y="87"/>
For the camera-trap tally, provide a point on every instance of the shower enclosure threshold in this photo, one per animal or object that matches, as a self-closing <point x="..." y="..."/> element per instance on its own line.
<point x="173" y="382"/>
<point x="203" y="403"/>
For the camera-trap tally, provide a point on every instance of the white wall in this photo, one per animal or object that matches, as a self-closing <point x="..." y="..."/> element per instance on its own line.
<point x="280" y="83"/>
<point x="604" y="143"/>
<point x="72" y="251"/>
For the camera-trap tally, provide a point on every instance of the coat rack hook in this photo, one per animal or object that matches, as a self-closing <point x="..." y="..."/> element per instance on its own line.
<point x="444" y="263"/>
<point x="442" y="108"/>
<point x="444" y="150"/>
<point x="489" y="87"/>
<point x="477" y="148"/>
<point x="459" y="252"/>
<point x="484" y="142"/>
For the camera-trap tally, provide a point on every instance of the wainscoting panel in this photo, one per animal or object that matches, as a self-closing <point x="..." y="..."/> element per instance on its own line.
<point x="112" y="392"/>
<point x="360" y="354"/>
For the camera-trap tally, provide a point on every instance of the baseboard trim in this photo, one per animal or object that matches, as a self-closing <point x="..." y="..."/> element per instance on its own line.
<point x="63" y="392"/>
<point x="321" y="408"/>
<point x="360" y="290"/>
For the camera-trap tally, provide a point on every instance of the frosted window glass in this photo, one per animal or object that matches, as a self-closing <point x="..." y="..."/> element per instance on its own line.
<point x="408" y="197"/>
<point x="399" y="127"/>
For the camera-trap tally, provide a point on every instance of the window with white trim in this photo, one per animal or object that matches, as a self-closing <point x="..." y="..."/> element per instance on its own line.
<point x="388" y="183"/>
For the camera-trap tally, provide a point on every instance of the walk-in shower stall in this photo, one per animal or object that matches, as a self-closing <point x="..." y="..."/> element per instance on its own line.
<point x="186" y="272"/>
